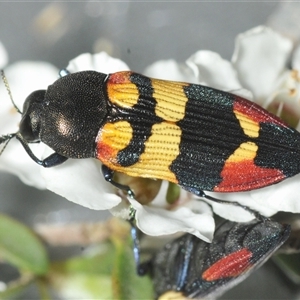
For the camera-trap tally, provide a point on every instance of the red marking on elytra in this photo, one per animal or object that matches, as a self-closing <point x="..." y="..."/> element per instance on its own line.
<point x="245" y="176"/>
<point x="255" y="112"/>
<point x="232" y="265"/>
<point x="119" y="77"/>
<point x="104" y="152"/>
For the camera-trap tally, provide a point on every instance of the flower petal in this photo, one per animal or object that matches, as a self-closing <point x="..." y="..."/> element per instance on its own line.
<point x="283" y="196"/>
<point x="238" y="214"/>
<point x="157" y="221"/>
<point x="210" y="68"/>
<point x="260" y="56"/>
<point x="81" y="182"/>
<point x="100" y="62"/>
<point x="3" y="56"/>
<point x="170" y="70"/>
<point x="296" y="59"/>
<point x="154" y="219"/>
<point x="25" y="77"/>
<point x="16" y="161"/>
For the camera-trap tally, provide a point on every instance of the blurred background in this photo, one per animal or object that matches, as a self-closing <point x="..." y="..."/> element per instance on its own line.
<point x="139" y="33"/>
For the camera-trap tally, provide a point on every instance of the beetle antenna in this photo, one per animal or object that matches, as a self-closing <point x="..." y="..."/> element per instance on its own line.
<point x="6" y="139"/>
<point x="4" y="79"/>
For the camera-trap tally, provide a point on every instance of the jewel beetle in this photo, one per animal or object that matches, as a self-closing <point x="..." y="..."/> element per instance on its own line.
<point x="189" y="268"/>
<point x="198" y="137"/>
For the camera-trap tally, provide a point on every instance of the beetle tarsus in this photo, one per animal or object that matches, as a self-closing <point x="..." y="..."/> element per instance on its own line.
<point x="53" y="160"/>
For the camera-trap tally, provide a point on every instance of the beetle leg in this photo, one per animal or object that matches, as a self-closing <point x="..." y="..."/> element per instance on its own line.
<point x="254" y="213"/>
<point x="53" y="160"/>
<point x="50" y="161"/>
<point x="108" y="176"/>
<point x="202" y="194"/>
<point x="141" y="268"/>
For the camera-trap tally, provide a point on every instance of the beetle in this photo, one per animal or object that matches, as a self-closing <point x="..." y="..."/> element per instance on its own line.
<point x="198" y="137"/>
<point x="189" y="268"/>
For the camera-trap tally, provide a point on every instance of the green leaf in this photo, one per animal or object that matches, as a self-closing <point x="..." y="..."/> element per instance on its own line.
<point x="290" y="265"/>
<point x="99" y="263"/>
<point x="126" y="283"/>
<point x="173" y="193"/>
<point x="21" y="247"/>
<point x="108" y="272"/>
<point x="84" y="277"/>
<point x="82" y="286"/>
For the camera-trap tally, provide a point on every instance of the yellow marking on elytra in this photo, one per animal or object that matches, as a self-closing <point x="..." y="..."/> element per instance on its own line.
<point x="123" y="94"/>
<point x="250" y="127"/>
<point x="161" y="148"/>
<point x="170" y="100"/>
<point x="118" y="135"/>
<point x="246" y="151"/>
<point x="112" y="138"/>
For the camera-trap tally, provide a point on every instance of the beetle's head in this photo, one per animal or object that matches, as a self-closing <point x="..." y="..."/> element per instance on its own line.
<point x="30" y="123"/>
<point x="67" y="116"/>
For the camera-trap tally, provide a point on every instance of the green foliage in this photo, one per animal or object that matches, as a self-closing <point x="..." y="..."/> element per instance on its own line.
<point x="126" y="283"/>
<point x="173" y="193"/>
<point x="21" y="247"/>
<point x="107" y="272"/>
<point x="290" y="265"/>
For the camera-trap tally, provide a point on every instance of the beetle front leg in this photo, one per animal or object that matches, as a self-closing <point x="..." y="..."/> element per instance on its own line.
<point x="50" y="161"/>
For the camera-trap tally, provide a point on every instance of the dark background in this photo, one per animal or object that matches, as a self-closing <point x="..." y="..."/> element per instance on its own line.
<point x="139" y="33"/>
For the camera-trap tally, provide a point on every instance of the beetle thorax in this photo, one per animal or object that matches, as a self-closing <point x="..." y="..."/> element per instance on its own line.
<point x="72" y="112"/>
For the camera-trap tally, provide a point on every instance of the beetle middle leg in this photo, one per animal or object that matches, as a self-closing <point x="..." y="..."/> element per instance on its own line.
<point x="142" y="268"/>
<point x="108" y="176"/>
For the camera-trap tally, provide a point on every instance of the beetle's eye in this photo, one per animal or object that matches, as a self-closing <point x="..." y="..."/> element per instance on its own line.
<point x="34" y="97"/>
<point x="25" y="128"/>
<point x="29" y="126"/>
